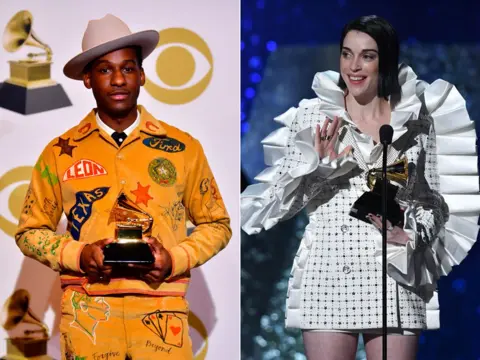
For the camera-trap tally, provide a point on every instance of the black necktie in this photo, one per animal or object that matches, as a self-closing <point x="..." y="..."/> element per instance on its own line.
<point x="119" y="137"/>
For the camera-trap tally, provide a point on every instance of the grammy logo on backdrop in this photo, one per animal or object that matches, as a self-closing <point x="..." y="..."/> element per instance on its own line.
<point x="17" y="311"/>
<point x="29" y="89"/>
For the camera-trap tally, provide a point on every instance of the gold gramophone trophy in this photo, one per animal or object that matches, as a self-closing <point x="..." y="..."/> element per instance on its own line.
<point x="16" y="310"/>
<point x="371" y="201"/>
<point x="131" y="225"/>
<point x="29" y="89"/>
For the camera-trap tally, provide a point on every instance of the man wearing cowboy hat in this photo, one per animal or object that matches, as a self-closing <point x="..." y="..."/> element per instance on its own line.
<point x="119" y="148"/>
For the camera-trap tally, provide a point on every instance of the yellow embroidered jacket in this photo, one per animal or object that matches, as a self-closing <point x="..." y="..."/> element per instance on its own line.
<point x="159" y="167"/>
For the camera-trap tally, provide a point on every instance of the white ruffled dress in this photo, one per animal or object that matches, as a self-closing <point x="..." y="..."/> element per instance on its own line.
<point x="336" y="278"/>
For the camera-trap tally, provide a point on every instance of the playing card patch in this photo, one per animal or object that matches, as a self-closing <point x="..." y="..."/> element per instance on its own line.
<point x="167" y="325"/>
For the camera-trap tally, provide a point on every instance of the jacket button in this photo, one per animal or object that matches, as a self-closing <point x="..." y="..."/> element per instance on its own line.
<point x="344" y="228"/>
<point x="346" y="269"/>
<point x="123" y="182"/>
<point x="120" y="157"/>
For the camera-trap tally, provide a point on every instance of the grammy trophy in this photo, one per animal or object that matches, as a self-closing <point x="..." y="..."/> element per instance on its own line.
<point x="29" y="89"/>
<point x="371" y="201"/>
<point x="131" y="225"/>
<point x="16" y="311"/>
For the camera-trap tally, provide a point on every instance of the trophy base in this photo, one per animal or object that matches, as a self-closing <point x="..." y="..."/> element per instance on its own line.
<point x="371" y="203"/>
<point x="26" y="349"/>
<point x="28" y="101"/>
<point x="137" y="252"/>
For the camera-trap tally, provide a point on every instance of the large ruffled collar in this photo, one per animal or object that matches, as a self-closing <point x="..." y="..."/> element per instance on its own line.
<point x="325" y="85"/>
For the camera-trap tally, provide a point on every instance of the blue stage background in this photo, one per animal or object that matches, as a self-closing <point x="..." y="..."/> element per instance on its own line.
<point x="284" y="42"/>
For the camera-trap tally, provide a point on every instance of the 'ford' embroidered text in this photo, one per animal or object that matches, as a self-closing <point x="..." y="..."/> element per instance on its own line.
<point x="164" y="144"/>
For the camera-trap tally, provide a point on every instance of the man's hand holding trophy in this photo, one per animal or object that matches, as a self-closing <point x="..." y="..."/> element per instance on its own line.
<point x="132" y="248"/>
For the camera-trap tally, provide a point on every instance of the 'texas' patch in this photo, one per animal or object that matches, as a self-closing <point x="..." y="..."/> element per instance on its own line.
<point x="166" y="144"/>
<point x="84" y="169"/>
<point x="82" y="210"/>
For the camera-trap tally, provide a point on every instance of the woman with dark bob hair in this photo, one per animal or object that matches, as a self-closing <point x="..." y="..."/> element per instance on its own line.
<point x="323" y="160"/>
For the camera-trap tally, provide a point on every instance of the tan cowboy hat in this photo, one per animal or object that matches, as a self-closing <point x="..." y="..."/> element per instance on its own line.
<point x="105" y="35"/>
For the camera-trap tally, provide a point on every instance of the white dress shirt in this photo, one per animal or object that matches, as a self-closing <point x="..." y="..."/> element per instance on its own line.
<point x="110" y="131"/>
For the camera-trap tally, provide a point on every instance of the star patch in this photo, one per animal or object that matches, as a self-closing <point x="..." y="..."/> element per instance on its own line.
<point x="142" y="194"/>
<point x="66" y="148"/>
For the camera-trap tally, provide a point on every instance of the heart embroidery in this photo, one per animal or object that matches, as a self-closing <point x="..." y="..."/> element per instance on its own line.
<point x="175" y="329"/>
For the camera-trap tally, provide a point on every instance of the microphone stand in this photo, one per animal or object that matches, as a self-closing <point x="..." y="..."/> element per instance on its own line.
<point x="384" y="250"/>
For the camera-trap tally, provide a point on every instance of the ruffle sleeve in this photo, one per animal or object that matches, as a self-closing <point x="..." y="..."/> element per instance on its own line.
<point x="294" y="175"/>
<point x="442" y="225"/>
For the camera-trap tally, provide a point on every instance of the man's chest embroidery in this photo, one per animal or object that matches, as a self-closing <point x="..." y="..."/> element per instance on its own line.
<point x="82" y="210"/>
<point x="84" y="169"/>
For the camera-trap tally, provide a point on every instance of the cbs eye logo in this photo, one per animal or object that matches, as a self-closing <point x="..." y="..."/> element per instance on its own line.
<point x="13" y="188"/>
<point x="184" y="66"/>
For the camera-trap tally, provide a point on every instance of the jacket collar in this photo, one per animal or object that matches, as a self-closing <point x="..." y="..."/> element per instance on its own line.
<point x="148" y="124"/>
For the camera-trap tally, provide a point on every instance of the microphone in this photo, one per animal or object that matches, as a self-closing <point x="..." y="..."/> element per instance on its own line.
<point x="386" y="134"/>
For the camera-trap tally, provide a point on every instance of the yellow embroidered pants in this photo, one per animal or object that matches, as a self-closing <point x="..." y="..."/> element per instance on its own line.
<point x="124" y="327"/>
